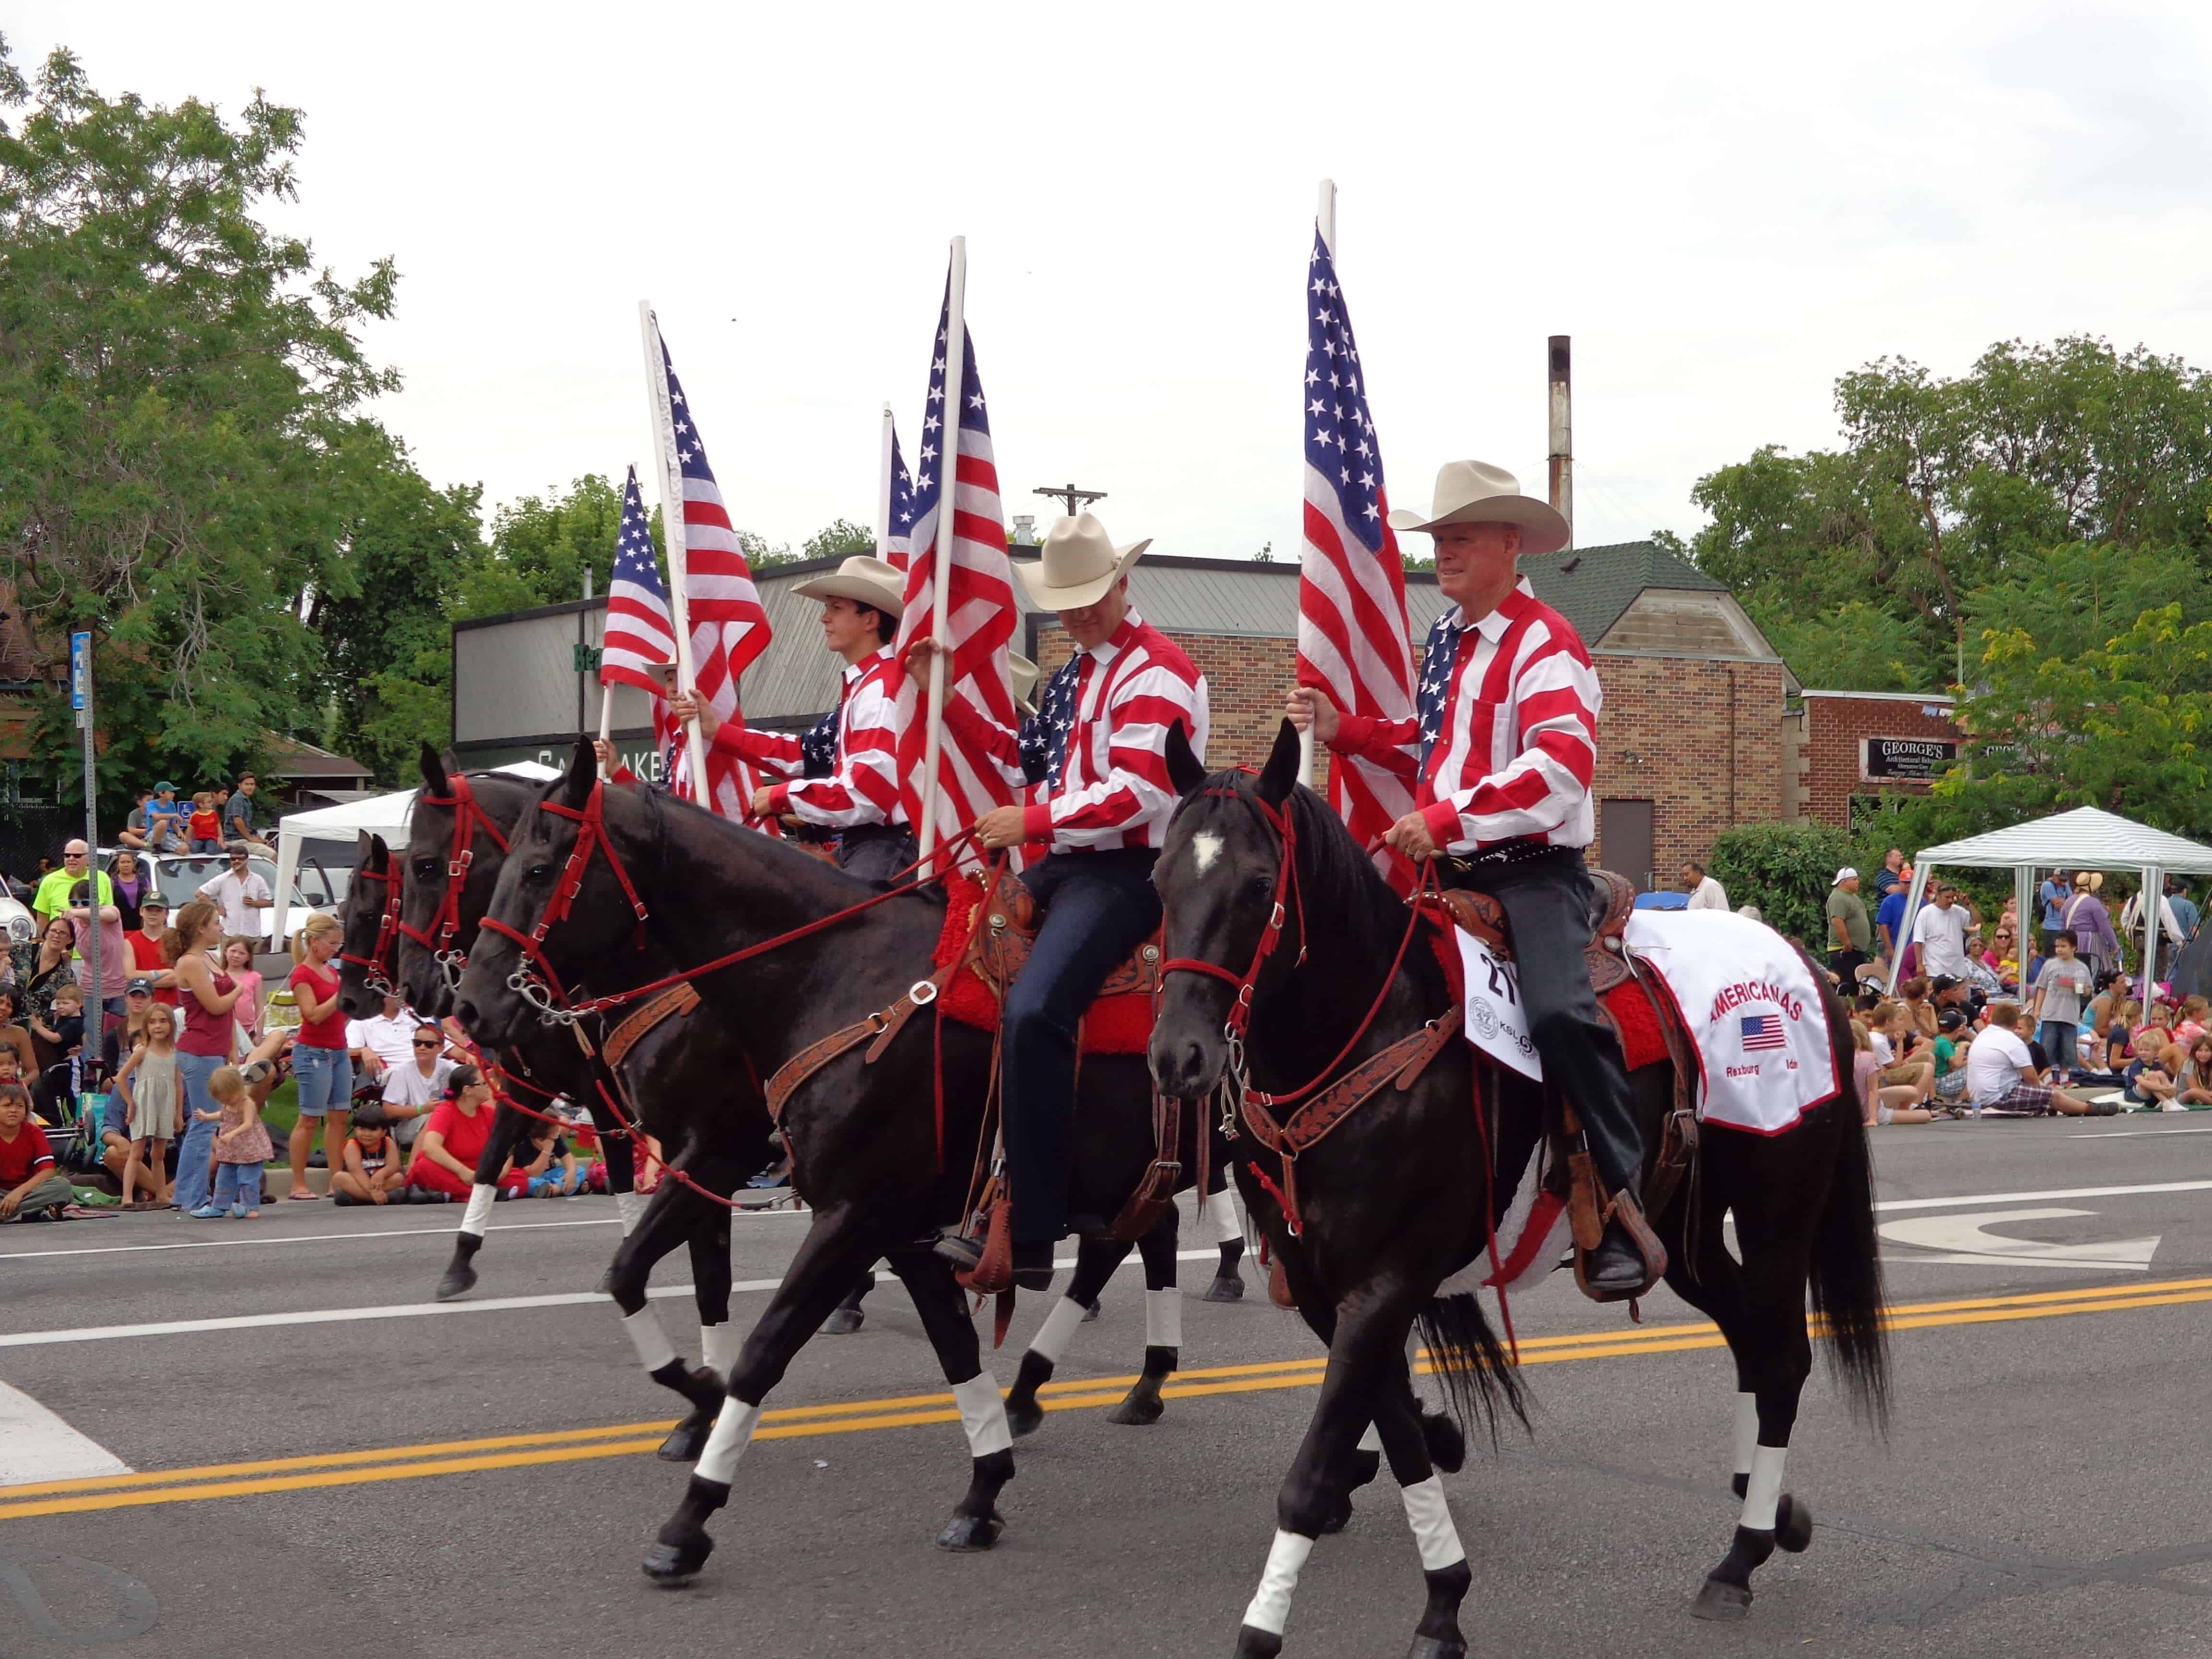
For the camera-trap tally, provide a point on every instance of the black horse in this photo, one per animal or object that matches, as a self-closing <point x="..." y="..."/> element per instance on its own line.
<point x="679" y="1074"/>
<point x="883" y="1137"/>
<point x="1397" y="1198"/>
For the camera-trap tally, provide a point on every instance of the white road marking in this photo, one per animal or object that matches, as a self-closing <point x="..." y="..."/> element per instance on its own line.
<point x="420" y="1309"/>
<point x="37" y="1445"/>
<point x="2030" y="1197"/>
<point x="1967" y="1240"/>
<point x="2133" y="1134"/>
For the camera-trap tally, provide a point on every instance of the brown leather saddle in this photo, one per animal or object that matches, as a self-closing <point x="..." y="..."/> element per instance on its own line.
<point x="1005" y="932"/>
<point x="1612" y="897"/>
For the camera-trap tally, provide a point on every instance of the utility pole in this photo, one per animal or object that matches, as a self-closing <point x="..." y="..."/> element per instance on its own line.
<point x="1077" y="500"/>
<point x="81" y="700"/>
<point x="1563" y="431"/>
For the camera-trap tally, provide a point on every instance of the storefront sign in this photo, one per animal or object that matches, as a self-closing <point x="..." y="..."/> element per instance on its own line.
<point x="1898" y="759"/>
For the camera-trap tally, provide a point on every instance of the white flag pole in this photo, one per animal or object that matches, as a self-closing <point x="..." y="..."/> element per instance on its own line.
<point x="956" y="372"/>
<point x="1325" y="215"/>
<point x="883" y="486"/>
<point x="671" y="476"/>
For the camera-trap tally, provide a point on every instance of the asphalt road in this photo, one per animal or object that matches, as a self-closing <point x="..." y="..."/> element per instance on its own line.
<point x="2043" y="1489"/>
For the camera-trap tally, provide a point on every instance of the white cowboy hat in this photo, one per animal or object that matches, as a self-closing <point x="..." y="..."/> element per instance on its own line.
<point x="862" y="578"/>
<point x="1024" y="674"/>
<point x="1475" y="492"/>
<point x="1080" y="563"/>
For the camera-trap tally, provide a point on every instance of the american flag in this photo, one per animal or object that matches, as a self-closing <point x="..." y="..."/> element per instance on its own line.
<point x="639" y="633"/>
<point x="1436" y="663"/>
<point x="898" y="544"/>
<point x="980" y="612"/>
<point x="1351" y="583"/>
<point x="1763" y="1031"/>
<point x="729" y="627"/>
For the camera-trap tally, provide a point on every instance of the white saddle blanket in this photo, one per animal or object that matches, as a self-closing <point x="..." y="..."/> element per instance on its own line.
<point x="1754" y="1009"/>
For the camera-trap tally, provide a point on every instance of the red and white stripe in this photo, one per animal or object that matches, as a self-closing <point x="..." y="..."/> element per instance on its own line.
<point x="1113" y="789"/>
<point x="863" y="789"/>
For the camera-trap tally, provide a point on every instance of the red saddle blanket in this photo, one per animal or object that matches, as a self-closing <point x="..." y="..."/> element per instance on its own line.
<point x="1116" y="1024"/>
<point x="1643" y="1042"/>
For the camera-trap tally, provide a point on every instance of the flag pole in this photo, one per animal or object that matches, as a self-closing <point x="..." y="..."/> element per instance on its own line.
<point x="671" y="476"/>
<point x="955" y="372"/>
<point x="1325" y="217"/>
<point x="883" y="486"/>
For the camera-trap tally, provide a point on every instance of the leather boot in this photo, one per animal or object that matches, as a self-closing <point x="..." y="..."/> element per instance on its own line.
<point x="1615" y="1268"/>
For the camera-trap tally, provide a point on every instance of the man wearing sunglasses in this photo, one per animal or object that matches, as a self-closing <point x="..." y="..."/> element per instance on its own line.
<point x="411" y="1088"/>
<point x="52" y="899"/>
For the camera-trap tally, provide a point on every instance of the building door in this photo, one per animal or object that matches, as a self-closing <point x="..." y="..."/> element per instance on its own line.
<point x="1624" y="839"/>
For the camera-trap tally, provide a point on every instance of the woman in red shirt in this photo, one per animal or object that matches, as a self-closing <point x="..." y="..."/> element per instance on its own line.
<point x="207" y="995"/>
<point x="446" y="1150"/>
<point x="319" y="1049"/>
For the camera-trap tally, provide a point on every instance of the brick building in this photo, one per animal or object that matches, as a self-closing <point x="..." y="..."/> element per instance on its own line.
<point x="1854" y="747"/>
<point x="1701" y="729"/>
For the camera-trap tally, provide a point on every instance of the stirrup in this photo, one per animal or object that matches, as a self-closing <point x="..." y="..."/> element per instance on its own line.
<point x="1624" y="1210"/>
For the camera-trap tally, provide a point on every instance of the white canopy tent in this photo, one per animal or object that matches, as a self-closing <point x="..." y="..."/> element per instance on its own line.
<point x="387" y="816"/>
<point x="2086" y="838"/>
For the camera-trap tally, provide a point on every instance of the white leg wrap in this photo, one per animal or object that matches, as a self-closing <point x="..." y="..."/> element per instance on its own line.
<point x="630" y="1207"/>
<point x="1746" y="1431"/>
<point x="718" y="1346"/>
<point x="734" y="1433"/>
<point x="1764" y="1492"/>
<point x="1372" y="1440"/>
<point x="1051" y="1340"/>
<point x="477" y="1215"/>
<point x="654" y="1349"/>
<point x="1429" y="1516"/>
<point x="1271" y="1603"/>
<point x="1163" y="1319"/>
<point x="1221" y="1214"/>
<point x="982" y="1414"/>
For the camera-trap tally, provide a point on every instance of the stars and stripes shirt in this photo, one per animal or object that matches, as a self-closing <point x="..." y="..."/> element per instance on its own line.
<point x="862" y="782"/>
<point x="1104" y="718"/>
<point x="1506" y="736"/>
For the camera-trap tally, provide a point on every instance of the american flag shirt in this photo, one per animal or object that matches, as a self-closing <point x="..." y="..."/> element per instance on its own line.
<point x="1505" y="738"/>
<point x="861" y="785"/>
<point x="1104" y="718"/>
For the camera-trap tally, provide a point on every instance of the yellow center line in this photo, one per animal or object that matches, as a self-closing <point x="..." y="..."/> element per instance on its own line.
<point x="242" y="1479"/>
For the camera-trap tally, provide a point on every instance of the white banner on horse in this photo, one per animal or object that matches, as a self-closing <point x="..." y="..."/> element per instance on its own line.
<point x="1496" y="1022"/>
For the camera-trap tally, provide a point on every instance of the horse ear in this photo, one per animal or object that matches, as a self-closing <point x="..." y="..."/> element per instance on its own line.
<point x="434" y="772"/>
<point x="372" y="852"/>
<point x="576" y="785"/>
<point x="1185" y="770"/>
<point x="1280" y="774"/>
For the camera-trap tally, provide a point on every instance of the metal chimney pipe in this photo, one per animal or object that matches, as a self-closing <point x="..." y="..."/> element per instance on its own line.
<point x="1562" y="437"/>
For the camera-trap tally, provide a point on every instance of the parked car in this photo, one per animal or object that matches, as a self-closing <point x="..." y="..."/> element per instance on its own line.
<point x="16" y="919"/>
<point x="180" y="877"/>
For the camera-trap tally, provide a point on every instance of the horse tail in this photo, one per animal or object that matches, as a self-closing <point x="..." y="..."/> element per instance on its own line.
<point x="1846" y="1273"/>
<point x="1478" y="1374"/>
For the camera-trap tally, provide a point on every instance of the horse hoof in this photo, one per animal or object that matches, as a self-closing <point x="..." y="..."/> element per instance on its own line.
<point x="606" y="1284"/>
<point x="687" y="1439"/>
<point x="1793" y="1524"/>
<point x="1256" y="1644"/>
<point x="970" y="1535"/>
<point x="1090" y="1313"/>
<point x="1436" y="1647"/>
<point x="1447" y="1443"/>
<point x="1138" y="1414"/>
<point x="1228" y="1287"/>
<point x="1722" y="1601"/>
<point x="461" y="1279"/>
<point x="672" y="1565"/>
<point x="844" y="1322"/>
<point x="1026" y="1417"/>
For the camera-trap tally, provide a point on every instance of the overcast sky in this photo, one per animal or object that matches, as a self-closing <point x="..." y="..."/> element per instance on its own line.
<point x="1726" y="206"/>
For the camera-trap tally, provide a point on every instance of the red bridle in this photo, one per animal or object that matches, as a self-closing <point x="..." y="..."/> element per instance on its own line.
<point x="590" y="838"/>
<point x="469" y="817"/>
<point x="376" y="965"/>
<point x="1286" y="894"/>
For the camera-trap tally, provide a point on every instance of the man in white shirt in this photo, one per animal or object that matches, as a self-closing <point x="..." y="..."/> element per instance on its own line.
<point x="1940" y="930"/>
<point x="416" y="1084"/>
<point x="2001" y="1076"/>
<point x="384" y="1040"/>
<point x="1705" y="893"/>
<point x="240" y="895"/>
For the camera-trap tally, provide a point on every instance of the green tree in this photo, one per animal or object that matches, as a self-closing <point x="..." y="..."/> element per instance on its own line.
<point x="1785" y="870"/>
<point x="839" y="539"/>
<point x="176" y="382"/>
<point x="541" y="545"/>
<point x="760" y="553"/>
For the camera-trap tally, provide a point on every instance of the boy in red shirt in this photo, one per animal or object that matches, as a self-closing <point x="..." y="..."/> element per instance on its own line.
<point x="32" y="1188"/>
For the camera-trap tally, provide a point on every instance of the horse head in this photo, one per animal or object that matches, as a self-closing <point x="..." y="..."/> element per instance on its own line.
<point x="1225" y="876"/>
<point x="572" y="910"/>
<point x="456" y="843"/>
<point x="365" y="955"/>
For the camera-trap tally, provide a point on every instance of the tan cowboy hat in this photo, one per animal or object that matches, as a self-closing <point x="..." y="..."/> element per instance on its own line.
<point x="862" y="578"/>
<point x="1080" y="563"/>
<point x="1475" y="492"/>
<point x="1024" y="674"/>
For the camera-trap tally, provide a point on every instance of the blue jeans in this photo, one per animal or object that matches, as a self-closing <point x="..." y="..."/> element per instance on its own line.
<point x="325" y="1079"/>
<point x="191" y="1187"/>
<point x="1098" y="907"/>
<point x="2057" y="1036"/>
<point x="238" y="1183"/>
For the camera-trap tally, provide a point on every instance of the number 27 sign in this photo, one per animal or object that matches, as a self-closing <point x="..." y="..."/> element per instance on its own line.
<point x="1496" y="1022"/>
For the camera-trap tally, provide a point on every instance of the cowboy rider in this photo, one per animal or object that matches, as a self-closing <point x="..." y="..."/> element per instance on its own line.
<point x="1100" y="809"/>
<point x="1502" y="752"/>
<point x="856" y="793"/>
